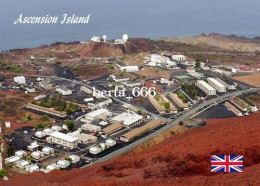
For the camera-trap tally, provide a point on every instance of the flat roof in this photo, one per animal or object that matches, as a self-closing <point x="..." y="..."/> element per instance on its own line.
<point x="213" y="80"/>
<point x="64" y="137"/>
<point x="206" y="85"/>
<point x="137" y="131"/>
<point x="113" y="127"/>
<point x="96" y="113"/>
<point x="127" y="118"/>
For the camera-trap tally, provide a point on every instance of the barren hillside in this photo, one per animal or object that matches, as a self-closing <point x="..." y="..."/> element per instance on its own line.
<point x="182" y="159"/>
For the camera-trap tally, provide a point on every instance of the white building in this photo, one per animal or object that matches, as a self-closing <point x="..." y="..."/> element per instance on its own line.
<point x="103" y="146"/>
<point x="63" y="139"/>
<point x="86" y="138"/>
<point x="47" y="150"/>
<point x="179" y="58"/>
<point x="56" y="128"/>
<point x="40" y="134"/>
<point x="96" y="39"/>
<point x="152" y="64"/>
<point x="22" y="164"/>
<point x="217" y="85"/>
<point x="12" y="160"/>
<point x="51" y="167"/>
<point x="21" y="153"/>
<point x="32" y="168"/>
<point x="63" y="91"/>
<point x="101" y="104"/>
<point x="123" y="67"/>
<point x="37" y="155"/>
<point x="86" y="90"/>
<point x="88" y="99"/>
<point x="110" y="142"/>
<point x="229" y="86"/>
<point x="74" y="158"/>
<point x="156" y="58"/>
<point x="134" y="84"/>
<point x="33" y="146"/>
<point x="171" y="63"/>
<point x="63" y="163"/>
<point x="97" y="114"/>
<point x="48" y="131"/>
<point x="205" y="87"/>
<point x="36" y="98"/>
<point x="20" y="80"/>
<point x="128" y="118"/>
<point x="7" y="124"/>
<point x="91" y="128"/>
<point x="94" y="150"/>
<point x="130" y="68"/>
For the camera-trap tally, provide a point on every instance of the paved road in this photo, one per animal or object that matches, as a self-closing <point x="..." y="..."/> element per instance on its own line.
<point x="182" y="117"/>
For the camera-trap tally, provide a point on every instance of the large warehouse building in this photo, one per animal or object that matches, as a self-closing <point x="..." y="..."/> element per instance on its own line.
<point x="217" y="85"/>
<point x="128" y="119"/>
<point x="63" y="139"/>
<point x="205" y="87"/>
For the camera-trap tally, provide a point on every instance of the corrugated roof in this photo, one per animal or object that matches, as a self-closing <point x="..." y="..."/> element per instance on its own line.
<point x="206" y="85"/>
<point x="178" y="100"/>
<point x="113" y="127"/>
<point x="156" y="104"/>
<point x="137" y="131"/>
<point x="214" y="81"/>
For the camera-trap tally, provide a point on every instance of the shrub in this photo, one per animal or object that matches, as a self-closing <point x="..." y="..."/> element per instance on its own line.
<point x="140" y="112"/>
<point x="70" y="124"/>
<point x="45" y="118"/>
<point x="39" y="125"/>
<point x="3" y="173"/>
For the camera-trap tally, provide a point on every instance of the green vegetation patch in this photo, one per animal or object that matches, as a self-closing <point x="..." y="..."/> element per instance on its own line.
<point x="182" y="96"/>
<point x="58" y="103"/>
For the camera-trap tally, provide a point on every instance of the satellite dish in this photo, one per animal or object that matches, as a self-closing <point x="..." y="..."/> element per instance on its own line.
<point x="104" y="38"/>
<point x="125" y="38"/>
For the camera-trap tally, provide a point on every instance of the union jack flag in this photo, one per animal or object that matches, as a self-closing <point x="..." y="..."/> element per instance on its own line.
<point x="227" y="163"/>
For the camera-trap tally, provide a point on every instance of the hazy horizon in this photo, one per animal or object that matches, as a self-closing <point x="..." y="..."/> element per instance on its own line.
<point x="137" y="18"/>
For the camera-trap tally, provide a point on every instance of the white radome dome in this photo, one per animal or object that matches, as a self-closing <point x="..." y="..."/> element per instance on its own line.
<point x="125" y="37"/>
<point x="104" y="38"/>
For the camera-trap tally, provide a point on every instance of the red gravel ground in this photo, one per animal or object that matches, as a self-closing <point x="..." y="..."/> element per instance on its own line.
<point x="182" y="159"/>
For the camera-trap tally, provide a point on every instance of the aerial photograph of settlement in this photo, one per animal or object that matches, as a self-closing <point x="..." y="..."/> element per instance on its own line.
<point x="138" y="92"/>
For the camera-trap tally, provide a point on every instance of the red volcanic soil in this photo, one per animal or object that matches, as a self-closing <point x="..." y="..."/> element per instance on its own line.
<point x="182" y="159"/>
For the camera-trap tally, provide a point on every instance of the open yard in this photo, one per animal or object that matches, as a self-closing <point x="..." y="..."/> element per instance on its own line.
<point x="253" y="79"/>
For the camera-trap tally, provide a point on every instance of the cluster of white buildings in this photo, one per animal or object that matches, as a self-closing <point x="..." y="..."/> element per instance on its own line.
<point x="159" y="60"/>
<point x="212" y="86"/>
<point x="19" y="159"/>
<point x="47" y="131"/>
<point x="96" y="149"/>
